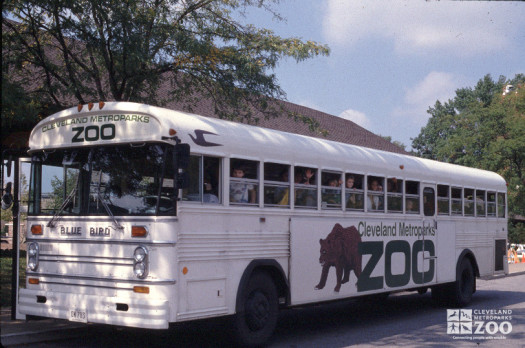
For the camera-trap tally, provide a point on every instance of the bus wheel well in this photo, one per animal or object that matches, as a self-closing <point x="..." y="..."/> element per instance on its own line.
<point x="467" y="253"/>
<point x="274" y="270"/>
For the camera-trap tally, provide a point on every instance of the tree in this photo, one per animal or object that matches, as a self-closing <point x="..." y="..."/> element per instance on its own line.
<point x="482" y="128"/>
<point x="69" y="52"/>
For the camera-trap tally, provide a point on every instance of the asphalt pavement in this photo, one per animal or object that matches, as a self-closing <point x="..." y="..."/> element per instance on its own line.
<point x="21" y="332"/>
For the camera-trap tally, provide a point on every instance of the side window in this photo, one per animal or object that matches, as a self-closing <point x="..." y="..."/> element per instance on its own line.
<point x="457" y="208"/>
<point x="205" y="184"/>
<point x="501" y="205"/>
<point x="429" y="201"/>
<point x="480" y="203"/>
<point x="412" y="197"/>
<point x="376" y="194"/>
<point x="354" y="191"/>
<point x="491" y="204"/>
<point x="305" y="180"/>
<point x="443" y="199"/>
<point x="331" y="190"/>
<point x="276" y="185"/>
<point x="468" y="202"/>
<point x="244" y="182"/>
<point x="394" y="189"/>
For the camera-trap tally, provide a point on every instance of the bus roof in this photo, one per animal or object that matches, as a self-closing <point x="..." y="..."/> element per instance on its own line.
<point x="125" y="122"/>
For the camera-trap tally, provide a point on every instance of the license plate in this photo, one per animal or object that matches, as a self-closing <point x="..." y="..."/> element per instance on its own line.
<point x="78" y="315"/>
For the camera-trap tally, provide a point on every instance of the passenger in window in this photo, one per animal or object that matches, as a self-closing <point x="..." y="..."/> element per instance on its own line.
<point x="282" y="194"/>
<point x="304" y="196"/>
<point x="331" y="196"/>
<point x="209" y="195"/>
<point x="241" y="192"/>
<point x="307" y="176"/>
<point x="375" y="202"/>
<point x="351" y="200"/>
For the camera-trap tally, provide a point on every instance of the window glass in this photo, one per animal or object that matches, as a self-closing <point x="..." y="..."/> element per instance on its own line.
<point x="376" y="194"/>
<point x="501" y="205"/>
<point x="244" y="183"/>
<point x="354" y="191"/>
<point x="429" y="202"/>
<point x="276" y="185"/>
<point x="305" y="180"/>
<point x="443" y="200"/>
<point x="412" y="197"/>
<point x="468" y="202"/>
<point x="457" y="208"/>
<point x="480" y="203"/>
<point x="204" y="173"/>
<point x="491" y="204"/>
<point x="111" y="180"/>
<point x="331" y="190"/>
<point x="394" y="188"/>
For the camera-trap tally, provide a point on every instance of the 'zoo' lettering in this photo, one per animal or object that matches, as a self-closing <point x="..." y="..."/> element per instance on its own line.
<point x="93" y="133"/>
<point x="375" y="249"/>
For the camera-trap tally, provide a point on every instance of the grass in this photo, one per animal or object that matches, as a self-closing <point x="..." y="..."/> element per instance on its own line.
<point x="5" y="278"/>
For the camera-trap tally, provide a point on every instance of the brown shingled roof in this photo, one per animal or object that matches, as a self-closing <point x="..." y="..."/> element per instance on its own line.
<point x="337" y="128"/>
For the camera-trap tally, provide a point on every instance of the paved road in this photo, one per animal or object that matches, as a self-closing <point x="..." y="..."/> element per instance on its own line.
<point x="404" y="320"/>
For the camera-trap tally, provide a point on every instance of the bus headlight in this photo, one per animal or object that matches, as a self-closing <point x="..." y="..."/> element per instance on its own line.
<point x="140" y="264"/>
<point x="33" y="253"/>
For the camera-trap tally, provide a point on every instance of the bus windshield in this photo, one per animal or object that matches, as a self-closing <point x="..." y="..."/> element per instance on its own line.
<point x="116" y="180"/>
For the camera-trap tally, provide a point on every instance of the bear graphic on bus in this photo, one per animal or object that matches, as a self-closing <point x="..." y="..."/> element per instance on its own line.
<point x="340" y="249"/>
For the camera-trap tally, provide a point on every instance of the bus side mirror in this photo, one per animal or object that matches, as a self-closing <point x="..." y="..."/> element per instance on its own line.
<point x="181" y="159"/>
<point x="7" y="197"/>
<point x="182" y="156"/>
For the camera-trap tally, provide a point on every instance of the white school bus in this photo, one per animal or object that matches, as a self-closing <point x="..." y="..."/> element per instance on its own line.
<point x="141" y="216"/>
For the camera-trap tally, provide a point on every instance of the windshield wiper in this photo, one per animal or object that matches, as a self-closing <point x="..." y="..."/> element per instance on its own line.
<point x="105" y="205"/>
<point x="54" y="219"/>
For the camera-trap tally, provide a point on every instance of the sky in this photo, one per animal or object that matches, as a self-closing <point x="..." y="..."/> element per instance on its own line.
<point x="392" y="60"/>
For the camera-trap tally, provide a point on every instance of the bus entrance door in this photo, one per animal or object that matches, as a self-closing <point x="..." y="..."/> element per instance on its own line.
<point x="427" y="256"/>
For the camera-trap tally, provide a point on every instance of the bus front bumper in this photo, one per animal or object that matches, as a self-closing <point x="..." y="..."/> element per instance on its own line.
<point x="132" y="312"/>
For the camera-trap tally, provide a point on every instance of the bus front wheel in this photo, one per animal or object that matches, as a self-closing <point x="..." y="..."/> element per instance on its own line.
<point x="255" y="321"/>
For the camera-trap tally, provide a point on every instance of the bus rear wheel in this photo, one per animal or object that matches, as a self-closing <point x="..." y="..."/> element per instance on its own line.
<point x="465" y="284"/>
<point x="255" y="322"/>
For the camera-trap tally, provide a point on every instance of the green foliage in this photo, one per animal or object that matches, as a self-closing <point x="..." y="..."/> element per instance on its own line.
<point x="68" y="52"/>
<point x="482" y="128"/>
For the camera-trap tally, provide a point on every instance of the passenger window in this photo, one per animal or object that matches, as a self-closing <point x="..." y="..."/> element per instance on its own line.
<point x="305" y="180"/>
<point x="331" y="190"/>
<point x="468" y="202"/>
<point x="480" y="203"/>
<point x="443" y="200"/>
<point x="276" y="185"/>
<point x="376" y="194"/>
<point x="429" y="202"/>
<point x="491" y="204"/>
<point x="457" y="208"/>
<point x="501" y="205"/>
<point x="354" y="191"/>
<point x="412" y="197"/>
<point x="394" y="188"/>
<point x="244" y="183"/>
<point x="205" y="184"/>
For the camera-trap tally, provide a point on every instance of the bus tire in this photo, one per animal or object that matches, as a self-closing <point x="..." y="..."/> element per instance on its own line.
<point x="465" y="284"/>
<point x="256" y="320"/>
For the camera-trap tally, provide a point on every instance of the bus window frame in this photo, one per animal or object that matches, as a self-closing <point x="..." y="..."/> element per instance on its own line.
<point x="276" y="184"/>
<point x="484" y="203"/>
<point x="323" y="188"/>
<point x="257" y="181"/>
<point x="448" y="199"/>
<point x="382" y="194"/>
<point x="471" y="201"/>
<point x="358" y="192"/>
<point x="412" y="196"/>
